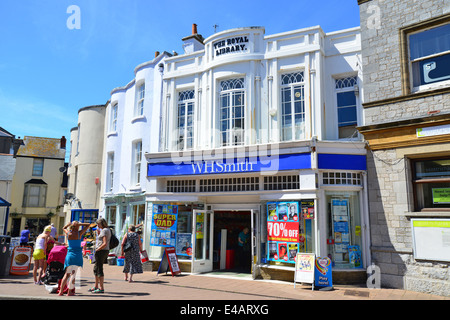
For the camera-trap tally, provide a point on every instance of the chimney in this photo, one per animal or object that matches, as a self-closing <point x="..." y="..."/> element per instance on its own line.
<point x="156" y="54"/>
<point x="194" y="42"/>
<point x="63" y="142"/>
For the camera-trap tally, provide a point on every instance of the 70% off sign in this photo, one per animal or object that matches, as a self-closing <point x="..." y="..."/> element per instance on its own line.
<point x="283" y="231"/>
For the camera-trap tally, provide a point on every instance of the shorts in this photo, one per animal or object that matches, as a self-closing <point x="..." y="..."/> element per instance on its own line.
<point x="38" y="254"/>
<point x="100" y="259"/>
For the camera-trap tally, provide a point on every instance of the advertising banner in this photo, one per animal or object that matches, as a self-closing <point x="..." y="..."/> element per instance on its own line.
<point x="168" y="262"/>
<point x="441" y="195"/>
<point x="304" y="268"/>
<point x="323" y="273"/>
<point x="283" y="234"/>
<point x="164" y="225"/>
<point x="21" y="261"/>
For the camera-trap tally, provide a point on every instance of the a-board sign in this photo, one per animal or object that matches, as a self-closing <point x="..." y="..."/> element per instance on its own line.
<point x="304" y="268"/>
<point x="169" y="260"/>
<point x="21" y="261"/>
<point x="431" y="239"/>
<point x="323" y="273"/>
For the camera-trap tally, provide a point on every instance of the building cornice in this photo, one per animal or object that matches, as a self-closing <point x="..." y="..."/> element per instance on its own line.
<point x="408" y="97"/>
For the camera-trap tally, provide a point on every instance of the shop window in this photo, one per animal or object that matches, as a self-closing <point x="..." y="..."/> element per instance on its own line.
<point x="231" y="113"/>
<point x="292" y="106"/>
<point x="184" y="232"/>
<point x="111" y="215"/>
<point x="290" y="230"/>
<point x="344" y="234"/>
<point x="185" y="120"/>
<point x="36" y="226"/>
<point x="138" y="214"/>
<point x="431" y="184"/>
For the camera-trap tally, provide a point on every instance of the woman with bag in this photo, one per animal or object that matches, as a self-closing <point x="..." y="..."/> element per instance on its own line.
<point x="131" y="248"/>
<point x="101" y="254"/>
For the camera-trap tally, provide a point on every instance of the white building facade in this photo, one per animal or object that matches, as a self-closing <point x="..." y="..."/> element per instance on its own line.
<point x="256" y="131"/>
<point x="131" y="127"/>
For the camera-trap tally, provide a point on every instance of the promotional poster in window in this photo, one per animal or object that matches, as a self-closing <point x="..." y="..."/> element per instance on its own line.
<point x="285" y="233"/>
<point x="164" y="225"/>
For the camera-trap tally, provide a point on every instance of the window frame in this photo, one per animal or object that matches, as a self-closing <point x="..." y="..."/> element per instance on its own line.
<point x="406" y="65"/>
<point x="113" y="122"/>
<point x="186" y="99"/>
<point x="140" y="98"/>
<point x="40" y="171"/>
<point x="416" y="182"/>
<point x="42" y="196"/>
<point x="136" y="161"/>
<point x="344" y="88"/>
<point x="110" y="172"/>
<point x="292" y="87"/>
<point x="229" y="89"/>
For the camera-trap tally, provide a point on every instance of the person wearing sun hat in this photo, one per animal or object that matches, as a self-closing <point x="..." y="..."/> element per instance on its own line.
<point x="39" y="254"/>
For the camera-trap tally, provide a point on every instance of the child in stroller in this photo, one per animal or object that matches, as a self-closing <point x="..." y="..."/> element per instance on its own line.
<point x="55" y="268"/>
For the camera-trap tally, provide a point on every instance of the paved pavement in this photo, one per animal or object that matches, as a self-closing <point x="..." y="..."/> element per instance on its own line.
<point x="190" y="287"/>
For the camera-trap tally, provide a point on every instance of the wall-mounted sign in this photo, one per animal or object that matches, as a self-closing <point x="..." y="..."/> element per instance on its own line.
<point x="262" y="163"/>
<point x="433" y="131"/>
<point x="431" y="239"/>
<point x="271" y="163"/>
<point x="231" y="45"/>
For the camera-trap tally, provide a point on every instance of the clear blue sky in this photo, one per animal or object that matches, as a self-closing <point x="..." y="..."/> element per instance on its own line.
<point x="48" y="72"/>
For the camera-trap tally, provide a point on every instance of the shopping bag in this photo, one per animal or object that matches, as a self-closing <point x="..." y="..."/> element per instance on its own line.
<point x="144" y="256"/>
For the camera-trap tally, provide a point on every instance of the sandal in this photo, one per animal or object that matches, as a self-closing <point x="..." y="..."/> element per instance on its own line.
<point x="98" y="291"/>
<point x="92" y="289"/>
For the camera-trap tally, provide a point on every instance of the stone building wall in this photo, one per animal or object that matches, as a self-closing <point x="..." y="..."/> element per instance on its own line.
<point x="389" y="172"/>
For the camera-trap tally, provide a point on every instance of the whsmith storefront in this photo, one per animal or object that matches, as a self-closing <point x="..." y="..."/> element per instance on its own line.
<point x="258" y="131"/>
<point x="293" y="198"/>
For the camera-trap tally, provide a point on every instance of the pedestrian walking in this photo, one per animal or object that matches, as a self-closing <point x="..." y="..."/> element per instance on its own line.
<point x="101" y="254"/>
<point x="53" y="232"/>
<point x="133" y="264"/>
<point x="39" y="255"/>
<point x="24" y="236"/>
<point x="74" y="257"/>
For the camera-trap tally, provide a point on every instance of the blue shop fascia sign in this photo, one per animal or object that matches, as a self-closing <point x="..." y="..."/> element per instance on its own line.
<point x="256" y="164"/>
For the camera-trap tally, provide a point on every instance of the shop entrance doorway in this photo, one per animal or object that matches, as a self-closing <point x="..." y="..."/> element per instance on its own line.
<point x="229" y="255"/>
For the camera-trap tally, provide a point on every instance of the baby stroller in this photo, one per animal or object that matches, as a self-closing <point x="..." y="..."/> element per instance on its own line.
<point x="55" y="268"/>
